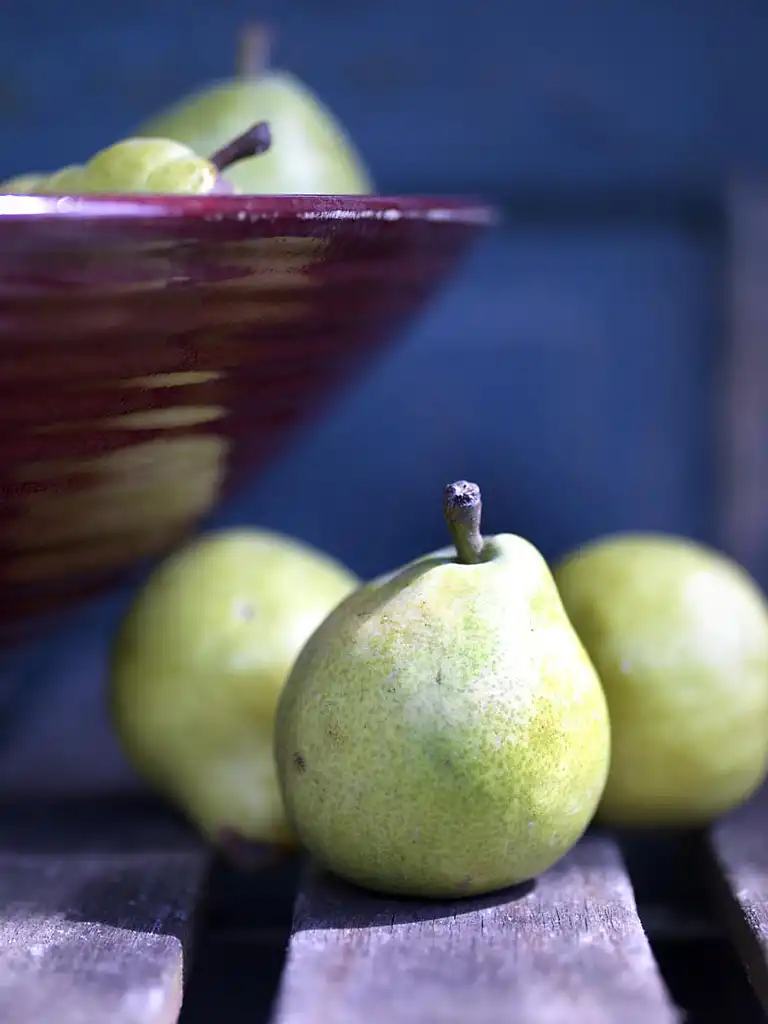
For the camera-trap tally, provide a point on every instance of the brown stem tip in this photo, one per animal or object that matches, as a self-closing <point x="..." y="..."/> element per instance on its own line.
<point x="254" y="142"/>
<point x="462" y="508"/>
<point x="253" y="50"/>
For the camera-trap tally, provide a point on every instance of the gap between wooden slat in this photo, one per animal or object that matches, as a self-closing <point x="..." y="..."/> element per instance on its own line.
<point x="737" y="849"/>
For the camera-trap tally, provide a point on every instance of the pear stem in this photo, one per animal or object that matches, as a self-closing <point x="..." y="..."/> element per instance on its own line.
<point x="462" y="508"/>
<point x="255" y="141"/>
<point x="253" y="50"/>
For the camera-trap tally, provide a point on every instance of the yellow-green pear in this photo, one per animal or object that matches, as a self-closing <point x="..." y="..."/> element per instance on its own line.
<point x="22" y="184"/>
<point x="443" y="732"/>
<point x="157" y="166"/>
<point x="678" y="633"/>
<point x="197" y="666"/>
<point x="310" y="154"/>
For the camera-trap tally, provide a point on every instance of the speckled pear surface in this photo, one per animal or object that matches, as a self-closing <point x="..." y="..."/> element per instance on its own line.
<point x="679" y="636"/>
<point x="443" y="732"/>
<point x="197" y="667"/>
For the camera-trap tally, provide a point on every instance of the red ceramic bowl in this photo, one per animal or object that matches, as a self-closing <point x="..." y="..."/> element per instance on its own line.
<point x="155" y="349"/>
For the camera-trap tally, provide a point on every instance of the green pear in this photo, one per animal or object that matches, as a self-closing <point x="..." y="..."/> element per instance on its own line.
<point x="158" y="166"/>
<point x="311" y="153"/>
<point x="679" y="636"/>
<point x="197" y="666"/>
<point x="22" y="184"/>
<point x="443" y="732"/>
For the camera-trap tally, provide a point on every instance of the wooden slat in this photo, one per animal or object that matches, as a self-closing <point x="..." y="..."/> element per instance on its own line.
<point x="743" y="434"/>
<point x="738" y="854"/>
<point x="570" y="949"/>
<point x="96" y="909"/>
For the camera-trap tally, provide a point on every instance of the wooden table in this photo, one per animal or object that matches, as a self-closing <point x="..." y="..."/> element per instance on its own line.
<point x="98" y="907"/>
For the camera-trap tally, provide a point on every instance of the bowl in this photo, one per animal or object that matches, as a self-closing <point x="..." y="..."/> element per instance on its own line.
<point x="156" y="350"/>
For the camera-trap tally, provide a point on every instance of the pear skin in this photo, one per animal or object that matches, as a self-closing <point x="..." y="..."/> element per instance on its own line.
<point x="679" y="636"/>
<point x="197" y="667"/>
<point x="22" y="184"/>
<point x="311" y="153"/>
<point x="443" y="732"/>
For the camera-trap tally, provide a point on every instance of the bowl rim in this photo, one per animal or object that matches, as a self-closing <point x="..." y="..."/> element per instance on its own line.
<point x="449" y="209"/>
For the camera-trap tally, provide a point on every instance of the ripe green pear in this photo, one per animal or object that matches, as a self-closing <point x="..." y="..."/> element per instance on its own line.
<point x="22" y="184"/>
<point x="157" y="166"/>
<point x="197" y="667"/>
<point x="679" y="636"/>
<point x="311" y="153"/>
<point x="443" y="732"/>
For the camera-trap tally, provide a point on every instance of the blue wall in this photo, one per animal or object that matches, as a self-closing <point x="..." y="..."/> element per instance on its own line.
<point x="504" y="94"/>
<point x="581" y="339"/>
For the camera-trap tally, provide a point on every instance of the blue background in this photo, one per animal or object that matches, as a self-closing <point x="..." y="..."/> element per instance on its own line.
<point x="580" y="341"/>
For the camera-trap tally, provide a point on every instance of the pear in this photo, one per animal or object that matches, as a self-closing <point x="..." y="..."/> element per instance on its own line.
<point x="443" y="732"/>
<point x="311" y="153"/>
<point x="22" y="184"/>
<point x="196" y="669"/>
<point x="158" y="166"/>
<point x="678" y="633"/>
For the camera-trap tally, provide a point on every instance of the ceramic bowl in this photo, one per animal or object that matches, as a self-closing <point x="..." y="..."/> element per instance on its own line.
<point x="154" y="350"/>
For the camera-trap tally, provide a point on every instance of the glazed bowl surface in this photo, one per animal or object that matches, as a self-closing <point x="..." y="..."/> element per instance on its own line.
<point x="156" y="350"/>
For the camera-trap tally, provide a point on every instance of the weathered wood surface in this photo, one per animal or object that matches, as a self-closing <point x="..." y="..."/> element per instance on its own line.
<point x="738" y="853"/>
<point x="570" y="949"/>
<point x="96" y="909"/>
<point x="744" y="421"/>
